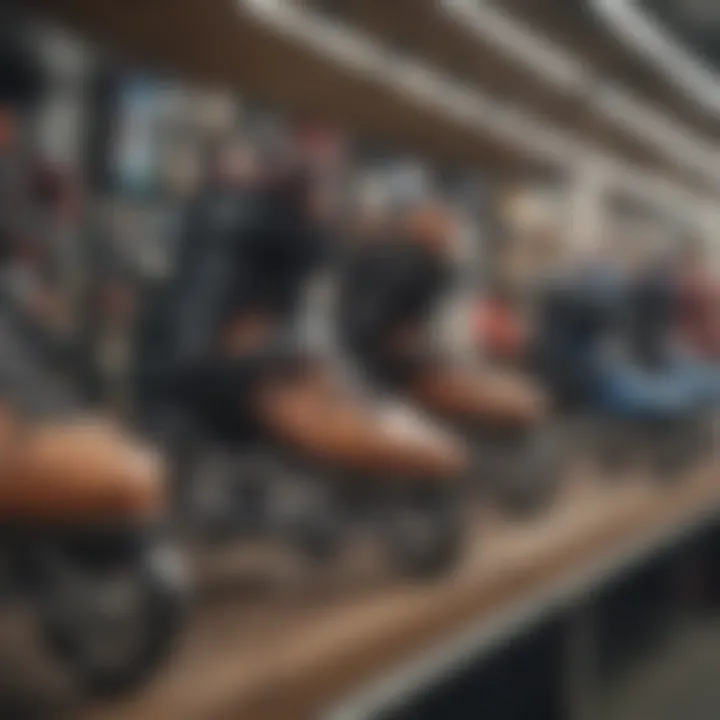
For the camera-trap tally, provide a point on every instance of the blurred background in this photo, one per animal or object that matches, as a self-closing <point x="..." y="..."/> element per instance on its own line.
<point x="561" y="135"/>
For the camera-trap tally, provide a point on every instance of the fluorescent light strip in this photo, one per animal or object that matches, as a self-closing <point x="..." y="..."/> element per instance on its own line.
<point x="571" y="75"/>
<point x="617" y="105"/>
<point x="642" y="34"/>
<point x="519" y="44"/>
<point x="369" y="57"/>
<point x="415" y="79"/>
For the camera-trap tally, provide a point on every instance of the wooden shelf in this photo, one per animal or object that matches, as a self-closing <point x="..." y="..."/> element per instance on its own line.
<point x="270" y="641"/>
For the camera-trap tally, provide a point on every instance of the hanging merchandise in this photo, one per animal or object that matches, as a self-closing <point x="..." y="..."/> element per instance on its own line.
<point x="145" y="120"/>
<point x="215" y="113"/>
<point x="324" y="145"/>
<point x="133" y="155"/>
<point x="371" y="191"/>
<point x="409" y="181"/>
<point x="474" y="193"/>
<point x="529" y="209"/>
<point x="62" y="113"/>
<point x="61" y="129"/>
<point x="180" y="169"/>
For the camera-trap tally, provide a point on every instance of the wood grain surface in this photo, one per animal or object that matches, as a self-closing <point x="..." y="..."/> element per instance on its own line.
<point x="273" y="640"/>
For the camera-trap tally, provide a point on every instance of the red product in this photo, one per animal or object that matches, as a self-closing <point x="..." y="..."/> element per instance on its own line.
<point x="499" y="331"/>
<point x="700" y="313"/>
